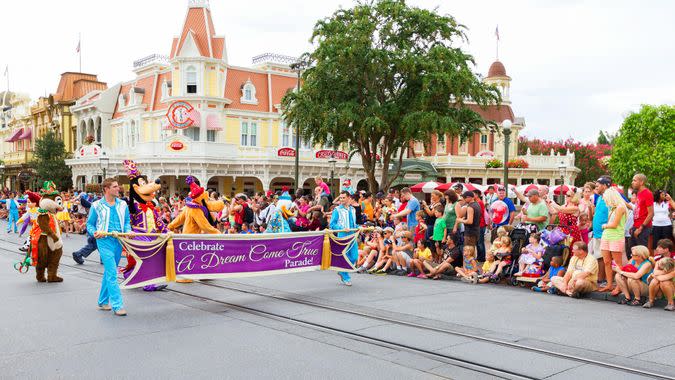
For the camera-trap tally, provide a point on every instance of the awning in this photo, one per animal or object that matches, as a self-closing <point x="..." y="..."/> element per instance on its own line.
<point x="15" y="135"/>
<point x="194" y="115"/>
<point x="212" y="123"/>
<point x="27" y="134"/>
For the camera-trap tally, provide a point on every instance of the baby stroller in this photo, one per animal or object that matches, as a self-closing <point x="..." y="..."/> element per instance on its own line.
<point x="557" y="244"/>
<point x="519" y="239"/>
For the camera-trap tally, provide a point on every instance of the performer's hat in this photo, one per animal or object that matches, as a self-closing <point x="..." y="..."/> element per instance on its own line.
<point x="132" y="169"/>
<point x="195" y="190"/>
<point x="33" y="197"/>
<point x="49" y="188"/>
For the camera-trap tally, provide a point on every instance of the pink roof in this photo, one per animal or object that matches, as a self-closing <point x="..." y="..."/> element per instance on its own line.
<point x="199" y="25"/>
<point x="15" y="135"/>
<point x="236" y="78"/>
<point x="27" y="134"/>
<point x="213" y="123"/>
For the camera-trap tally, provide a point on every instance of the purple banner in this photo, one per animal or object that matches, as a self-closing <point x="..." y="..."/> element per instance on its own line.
<point x="221" y="256"/>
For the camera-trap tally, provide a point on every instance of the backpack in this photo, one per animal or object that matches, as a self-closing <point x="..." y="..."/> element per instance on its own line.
<point x="552" y="251"/>
<point x="248" y="215"/>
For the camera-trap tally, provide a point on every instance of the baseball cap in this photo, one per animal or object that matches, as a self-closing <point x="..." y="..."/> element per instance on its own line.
<point x="533" y="192"/>
<point x="604" y="180"/>
<point x="457" y="186"/>
<point x="501" y="188"/>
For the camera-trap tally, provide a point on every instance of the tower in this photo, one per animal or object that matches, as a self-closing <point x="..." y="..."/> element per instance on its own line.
<point x="497" y="76"/>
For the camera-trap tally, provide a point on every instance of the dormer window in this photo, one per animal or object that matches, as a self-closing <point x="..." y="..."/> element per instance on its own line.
<point x="191" y="80"/>
<point x="166" y="89"/>
<point x="248" y="93"/>
<point x="120" y="100"/>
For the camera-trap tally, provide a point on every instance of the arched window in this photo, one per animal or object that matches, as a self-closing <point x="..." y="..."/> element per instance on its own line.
<point x="97" y="138"/>
<point x="248" y="93"/>
<point x="90" y="129"/>
<point x="133" y="134"/>
<point x="191" y="80"/>
<point x="82" y="133"/>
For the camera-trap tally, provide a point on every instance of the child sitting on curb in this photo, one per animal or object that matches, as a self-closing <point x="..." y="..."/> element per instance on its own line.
<point x="489" y="267"/>
<point x="661" y="283"/>
<point x="555" y="269"/>
<point x="468" y="272"/>
<point x="532" y="255"/>
<point x="422" y="254"/>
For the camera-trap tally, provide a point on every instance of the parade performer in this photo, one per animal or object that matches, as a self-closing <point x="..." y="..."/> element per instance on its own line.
<point x="109" y="215"/>
<point x="347" y="186"/>
<point x="195" y="217"/>
<point x="344" y="217"/>
<point x="29" y="218"/>
<point x="46" y="234"/>
<point x="12" y="204"/>
<point x="143" y="212"/>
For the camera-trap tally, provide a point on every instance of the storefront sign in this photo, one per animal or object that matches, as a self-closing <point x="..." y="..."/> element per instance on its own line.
<point x="415" y="176"/>
<point x="337" y="154"/>
<point x="178" y="114"/>
<point x="286" y="152"/>
<point x="162" y="258"/>
<point x="177" y="146"/>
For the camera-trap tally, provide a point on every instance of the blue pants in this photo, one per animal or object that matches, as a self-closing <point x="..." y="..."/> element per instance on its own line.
<point x="481" y="245"/>
<point x="352" y="255"/>
<point x="110" y="251"/>
<point x="12" y="218"/>
<point x="87" y="249"/>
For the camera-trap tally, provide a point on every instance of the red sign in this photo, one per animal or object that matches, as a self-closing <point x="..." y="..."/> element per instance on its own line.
<point x="177" y="145"/>
<point x="286" y="152"/>
<point x="179" y="114"/>
<point x="339" y="155"/>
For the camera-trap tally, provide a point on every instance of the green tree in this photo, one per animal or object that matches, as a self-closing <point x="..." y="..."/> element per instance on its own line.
<point x="606" y="138"/>
<point x="49" y="156"/>
<point x="646" y="144"/>
<point x="382" y="75"/>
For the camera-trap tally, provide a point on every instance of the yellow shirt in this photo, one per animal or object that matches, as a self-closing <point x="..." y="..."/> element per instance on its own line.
<point x="487" y="266"/>
<point x="424" y="254"/>
<point x="588" y="264"/>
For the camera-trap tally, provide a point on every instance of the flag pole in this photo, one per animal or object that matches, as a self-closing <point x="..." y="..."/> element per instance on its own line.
<point x="79" y="49"/>
<point x="497" y="42"/>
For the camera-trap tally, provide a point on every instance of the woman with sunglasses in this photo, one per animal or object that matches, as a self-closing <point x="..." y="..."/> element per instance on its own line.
<point x="568" y="215"/>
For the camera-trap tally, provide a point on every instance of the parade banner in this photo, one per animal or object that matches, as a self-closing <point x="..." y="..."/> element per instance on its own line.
<point x="163" y="257"/>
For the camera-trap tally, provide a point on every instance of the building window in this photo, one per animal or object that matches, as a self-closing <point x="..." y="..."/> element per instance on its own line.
<point x="249" y="133"/>
<point x="166" y="89"/>
<point x="211" y="136"/>
<point x="483" y="142"/>
<point x="287" y="135"/>
<point x="244" y="133"/>
<point x="134" y="135"/>
<point x="440" y="145"/>
<point x="192" y="133"/>
<point x="252" y="134"/>
<point x="191" y="80"/>
<point x="248" y="93"/>
<point x="463" y="148"/>
<point x="418" y="147"/>
<point x="120" y="135"/>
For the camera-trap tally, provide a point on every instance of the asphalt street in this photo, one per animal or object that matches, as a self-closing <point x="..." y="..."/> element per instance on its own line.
<point x="55" y="330"/>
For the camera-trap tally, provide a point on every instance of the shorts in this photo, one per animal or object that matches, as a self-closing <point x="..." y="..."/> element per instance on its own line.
<point x="470" y="239"/>
<point x="594" y="248"/>
<point x="406" y="256"/>
<point x="612" y="245"/>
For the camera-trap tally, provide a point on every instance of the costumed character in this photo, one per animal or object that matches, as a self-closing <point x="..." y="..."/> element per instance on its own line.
<point x="347" y="186"/>
<point x="195" y="217"/>
<point x="344" y="217"/>
<point x="46" y="235"/>
<point x="282" y="211"/>
<point x="143" y="212"/>
<point x="29" y="218"/>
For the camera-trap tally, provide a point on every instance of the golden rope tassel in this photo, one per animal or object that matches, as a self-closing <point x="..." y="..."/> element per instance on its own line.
<point x="170" y="261"/>
<point x="326" y="254"/>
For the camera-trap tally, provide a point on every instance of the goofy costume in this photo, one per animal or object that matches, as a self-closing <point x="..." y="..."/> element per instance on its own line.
<point x="109" y="218"/>
<point x="345" y="218"/>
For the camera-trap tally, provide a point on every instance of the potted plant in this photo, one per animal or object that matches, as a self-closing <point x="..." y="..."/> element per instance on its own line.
<point x="493" y="163"/>
<point x="88" y="140"/>
<point x="518" y="163"/>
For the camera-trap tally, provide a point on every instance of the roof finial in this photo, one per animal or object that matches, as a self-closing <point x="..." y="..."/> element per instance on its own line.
<point x="198" y="4"/>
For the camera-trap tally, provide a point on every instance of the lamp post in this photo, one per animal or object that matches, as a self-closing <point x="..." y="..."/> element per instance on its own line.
<point x="2" y="175"/>
<point x="104" y="161"/>
<point x="331" y="163"/>
<point x="562" y="169"/>
<point x="298" y="66"/>
<point x="506" y="128"/>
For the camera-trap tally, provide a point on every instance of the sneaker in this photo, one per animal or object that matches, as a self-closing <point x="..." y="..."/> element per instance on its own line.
<point x="346" y="283"/>
<point x="104" y="307"/>
<point x="120" y="313"/>
<point x="552" y="291"/>
<point x="669" y="307"/>
<point x="648" y="305"/>
<point x="537" y="289"/>
<point x="465" y="279"/>
<point x="78" y="259"/>
<point x="412" y="274"/>
<point x="622" y="300"/>
<point x="422" y="275"/>
<point x="361" y="269"/>
<point x="473" y="278"/>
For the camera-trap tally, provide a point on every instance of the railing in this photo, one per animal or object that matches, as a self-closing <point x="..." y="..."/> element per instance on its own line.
<point x="274" y="58"/>
<point x="153" y="58"/>
<point x="15" y="158"/>
<point x="534" y="161"/>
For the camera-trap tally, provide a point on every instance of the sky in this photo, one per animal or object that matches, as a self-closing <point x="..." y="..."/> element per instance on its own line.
<point x="577" y="67"/>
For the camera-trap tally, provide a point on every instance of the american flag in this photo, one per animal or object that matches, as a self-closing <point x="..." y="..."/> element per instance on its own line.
<point x="77" y="50"/>
<point x="497" y="32"/>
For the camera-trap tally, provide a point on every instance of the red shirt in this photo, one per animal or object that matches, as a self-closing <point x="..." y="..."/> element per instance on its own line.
<point x="645" y="199"/>
<point x="404" y="219"/>
<point x="482" y="212"/>
<point x="419" y="235"/>
<point x="239" y="215"/>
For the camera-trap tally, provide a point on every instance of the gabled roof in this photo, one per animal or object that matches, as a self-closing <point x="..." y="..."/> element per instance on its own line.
<point x="199" y="26"/>
<point x="496" y="113"/>
<point x="73" y="86"/>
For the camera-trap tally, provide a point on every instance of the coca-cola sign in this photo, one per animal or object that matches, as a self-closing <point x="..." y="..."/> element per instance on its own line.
<point x="286" y="152"/>
<point x="176" y="145"/>
<point x="337" y="154"/>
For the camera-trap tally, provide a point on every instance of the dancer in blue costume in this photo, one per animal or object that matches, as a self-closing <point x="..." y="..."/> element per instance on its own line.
<point x="278" y="222"/>
<point x="344" y="217"/>
<point x="12" y="204"/>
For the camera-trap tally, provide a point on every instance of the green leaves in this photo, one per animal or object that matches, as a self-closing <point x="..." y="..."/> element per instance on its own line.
<point x="49" y="157"/>
<point x="382" y="75"/>
<point x="646" y="144"/>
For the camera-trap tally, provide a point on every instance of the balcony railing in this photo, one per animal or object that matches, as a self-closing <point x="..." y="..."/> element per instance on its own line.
<point x="151" y="59"/>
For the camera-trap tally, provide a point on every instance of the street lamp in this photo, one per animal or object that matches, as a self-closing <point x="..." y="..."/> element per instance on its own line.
<point x="105" y="161"/>
<point x="2" y="175"/>
<point x="506" y="128"/>
<point x="331" y="163"/>
<point x="298" y="66"/>
<point x="562" y="169"/>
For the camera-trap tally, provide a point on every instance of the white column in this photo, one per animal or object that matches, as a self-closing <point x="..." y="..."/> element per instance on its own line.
<point x="202" y="125"/>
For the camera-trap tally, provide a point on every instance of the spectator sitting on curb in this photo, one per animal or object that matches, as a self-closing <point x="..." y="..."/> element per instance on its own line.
<point x="582" y="273"/>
